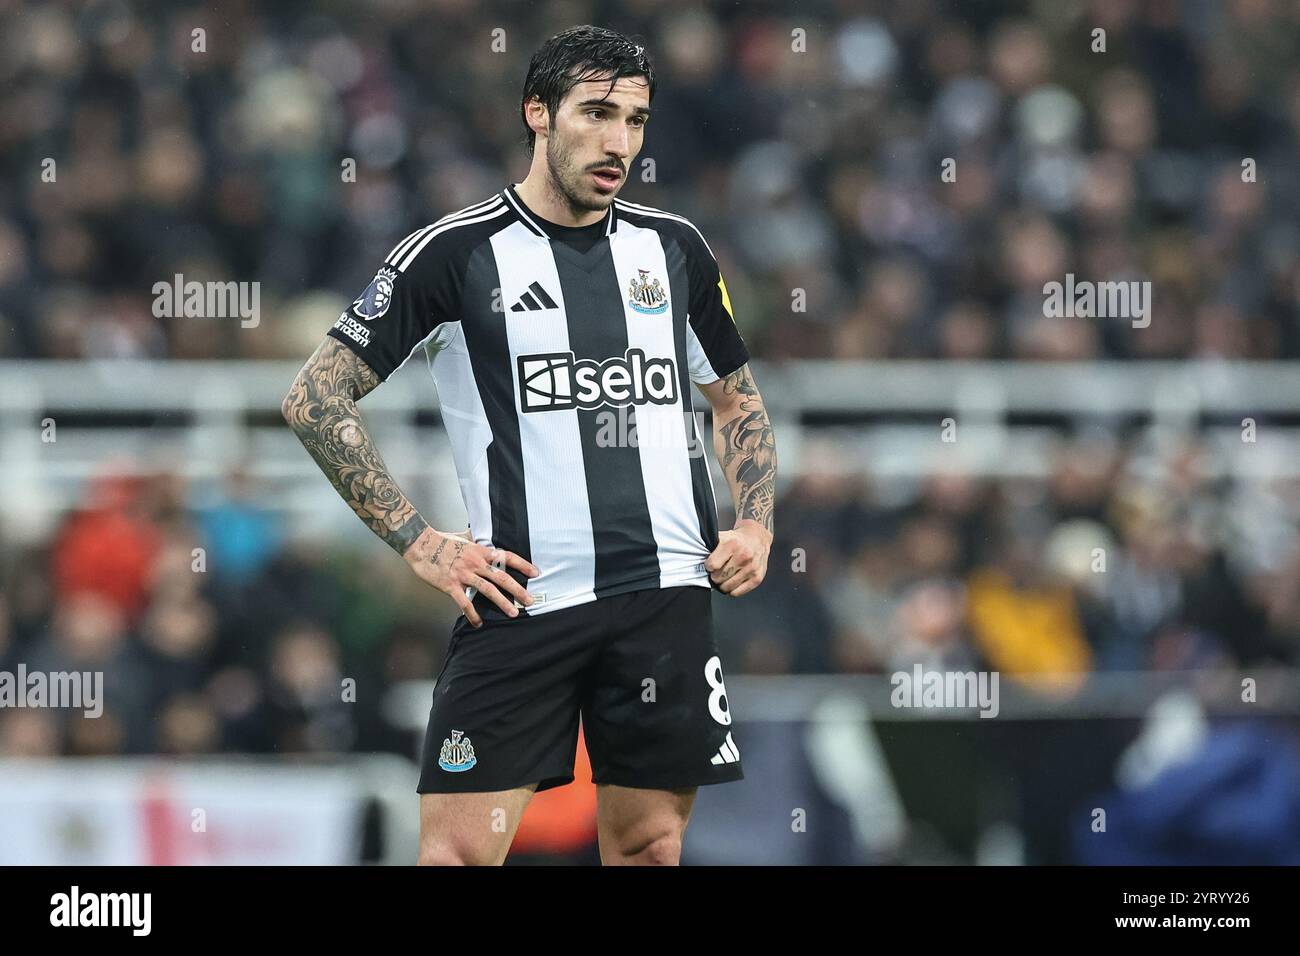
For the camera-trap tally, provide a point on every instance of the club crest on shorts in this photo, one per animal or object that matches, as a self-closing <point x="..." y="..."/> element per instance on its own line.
<point x="646" y="297"/>
<point x="375" y="301"/>
<point x="457" y="754"/>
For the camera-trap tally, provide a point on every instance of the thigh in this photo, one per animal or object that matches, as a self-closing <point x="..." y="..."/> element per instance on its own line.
<point x="656" y="716"/>
<point x="470" y="828"/>
<point x="506" y="704"/>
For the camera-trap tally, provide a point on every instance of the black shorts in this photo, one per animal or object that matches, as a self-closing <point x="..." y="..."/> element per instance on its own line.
<point x="641" y="668"/>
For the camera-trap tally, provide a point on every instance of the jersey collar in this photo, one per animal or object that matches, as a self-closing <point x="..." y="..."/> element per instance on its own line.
<point x="528" y="218"/>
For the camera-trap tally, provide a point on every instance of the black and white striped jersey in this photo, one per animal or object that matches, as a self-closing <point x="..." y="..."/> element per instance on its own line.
<point x="563" y="359"/>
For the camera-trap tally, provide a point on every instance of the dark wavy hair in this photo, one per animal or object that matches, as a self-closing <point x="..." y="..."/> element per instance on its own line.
<point x="574" y="56"/>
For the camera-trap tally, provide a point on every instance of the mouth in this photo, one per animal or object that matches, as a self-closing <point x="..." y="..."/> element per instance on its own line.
<point x="609" y="178"/>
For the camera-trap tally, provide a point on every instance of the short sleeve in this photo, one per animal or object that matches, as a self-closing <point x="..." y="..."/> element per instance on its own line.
<point x="401" y="308"/>
<point x="714" y="345"/>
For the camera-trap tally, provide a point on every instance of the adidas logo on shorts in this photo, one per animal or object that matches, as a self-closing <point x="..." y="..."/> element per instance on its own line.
<point x="727" y="753"/>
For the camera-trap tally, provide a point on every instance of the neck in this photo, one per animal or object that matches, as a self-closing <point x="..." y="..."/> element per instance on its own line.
<point x="539" y="192"/>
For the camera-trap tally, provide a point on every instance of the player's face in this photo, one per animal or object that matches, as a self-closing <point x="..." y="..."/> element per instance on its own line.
<point x="598" y="132"/>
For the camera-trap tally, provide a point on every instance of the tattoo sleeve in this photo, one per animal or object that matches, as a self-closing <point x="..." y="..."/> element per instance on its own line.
<point x="746" y="449"/>
<point x="321" y="408"/>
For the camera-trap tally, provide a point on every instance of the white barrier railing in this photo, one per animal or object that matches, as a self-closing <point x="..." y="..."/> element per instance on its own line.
<point x="202" y="419"/>
<point x="798" y="387"/>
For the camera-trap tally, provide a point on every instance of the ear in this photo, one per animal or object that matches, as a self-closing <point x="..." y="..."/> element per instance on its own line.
<point x="535" y="111"/>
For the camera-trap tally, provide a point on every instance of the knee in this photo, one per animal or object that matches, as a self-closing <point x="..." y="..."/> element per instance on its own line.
<point x="432" y="855"/>
<point x="441" y="853"/>
<point x="662" y="850"/>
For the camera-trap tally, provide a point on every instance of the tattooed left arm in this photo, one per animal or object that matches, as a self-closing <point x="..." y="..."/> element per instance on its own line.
<point x="746" y="449"/>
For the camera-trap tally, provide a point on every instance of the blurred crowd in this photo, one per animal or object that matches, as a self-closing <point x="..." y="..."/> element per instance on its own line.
<point x="808" y="140"/>
<point x="1133" y="555"/>
<point x="218" y="630"/>
<point x="213" y="629"/>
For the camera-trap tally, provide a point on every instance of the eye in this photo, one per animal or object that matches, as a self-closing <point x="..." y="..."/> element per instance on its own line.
<point x="595" y="112"/>
<point x="639" y="121"/>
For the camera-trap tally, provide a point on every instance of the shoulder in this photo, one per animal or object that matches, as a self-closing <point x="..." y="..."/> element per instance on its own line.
<point x="669" y="224"/>
<point x="450" y="238"/>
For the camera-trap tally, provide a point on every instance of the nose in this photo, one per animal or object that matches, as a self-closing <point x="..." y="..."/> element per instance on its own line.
<point x="619" y="143"/>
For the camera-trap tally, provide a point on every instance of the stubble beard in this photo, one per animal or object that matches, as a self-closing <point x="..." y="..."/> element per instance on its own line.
<point x="567" y="181"/>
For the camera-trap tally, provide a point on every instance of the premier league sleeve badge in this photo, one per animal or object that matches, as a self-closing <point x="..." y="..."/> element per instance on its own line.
<point x="374" y="302"/>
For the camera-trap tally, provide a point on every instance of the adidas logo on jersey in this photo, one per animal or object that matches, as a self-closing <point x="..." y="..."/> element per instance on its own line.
<point x="556" y="381"/>
<point x="727" y="753"/>
<point x="534" y="300"/>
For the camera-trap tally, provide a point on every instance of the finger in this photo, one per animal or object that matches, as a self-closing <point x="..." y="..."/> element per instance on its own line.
<point x="739" y="576"/>
<point x="477" y="562"/>
<point x="493" y="594"/>
<point x="729" y="585"/>
<point x="510" y="584"/>
<point x="728" y="569"/>
<point x="724" y="555"/>
<point x="721" y="554"/>
<point x="520" y="564"/>
<point x="467" y="608"/>
<point x="745" y="587"/>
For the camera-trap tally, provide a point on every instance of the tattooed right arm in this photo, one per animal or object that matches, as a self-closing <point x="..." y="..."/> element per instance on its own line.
<point x="322" y="411"/>
<point x="321" y="408"/>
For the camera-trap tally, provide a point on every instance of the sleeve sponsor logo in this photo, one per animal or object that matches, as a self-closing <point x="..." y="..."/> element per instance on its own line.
<point x="353" y="329"/>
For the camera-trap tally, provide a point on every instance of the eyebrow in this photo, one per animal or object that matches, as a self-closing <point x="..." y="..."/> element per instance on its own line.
<point x="640" y="110"/>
